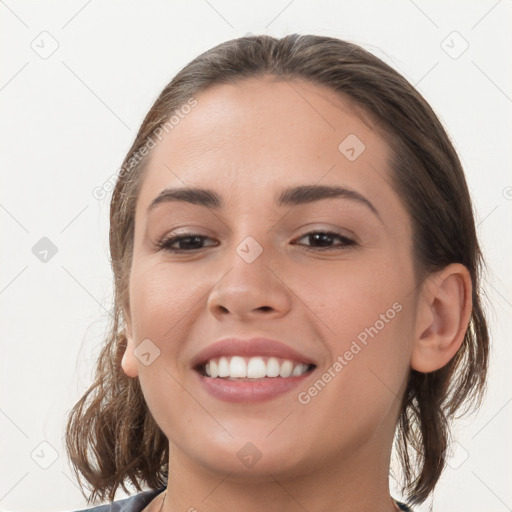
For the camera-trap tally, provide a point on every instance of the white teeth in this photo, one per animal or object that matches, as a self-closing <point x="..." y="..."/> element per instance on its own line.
<point x="214" y="369"/>
<point x="223" y="367"/>
<point x="256" y="369"/>
<point x="286" y="369"/>
<point x="298" y="370"/>
<point x="253" y="367"/>
<point x="272" y="367"/>
<point x="237" y="367"/>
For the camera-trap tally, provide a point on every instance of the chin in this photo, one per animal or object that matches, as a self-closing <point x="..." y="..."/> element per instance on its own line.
<point x="258" y="458"/>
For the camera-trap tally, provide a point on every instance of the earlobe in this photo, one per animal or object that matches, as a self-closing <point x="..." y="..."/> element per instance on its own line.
<point x="129" y="361"/>
<point x="444" y="311"/>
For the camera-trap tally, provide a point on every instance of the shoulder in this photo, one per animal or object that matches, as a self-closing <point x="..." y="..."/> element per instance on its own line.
<point x="134" y="503"/>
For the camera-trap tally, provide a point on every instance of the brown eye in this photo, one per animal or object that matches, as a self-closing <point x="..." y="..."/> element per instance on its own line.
<point x="322" y="240"/>
<point x="187" y="242"/>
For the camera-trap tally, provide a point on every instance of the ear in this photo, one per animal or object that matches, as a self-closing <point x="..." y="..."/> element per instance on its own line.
<point x="444" y="309"/>
<point x="129" y="361"/>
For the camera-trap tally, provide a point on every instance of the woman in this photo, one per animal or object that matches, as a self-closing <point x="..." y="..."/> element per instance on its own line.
<point x="296" y="290"/>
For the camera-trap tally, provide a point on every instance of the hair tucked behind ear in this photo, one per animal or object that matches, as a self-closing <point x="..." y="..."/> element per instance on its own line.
<point x="111" y="436"/>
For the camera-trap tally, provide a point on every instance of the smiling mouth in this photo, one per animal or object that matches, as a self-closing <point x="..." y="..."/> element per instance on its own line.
<point x="238" y="368"/>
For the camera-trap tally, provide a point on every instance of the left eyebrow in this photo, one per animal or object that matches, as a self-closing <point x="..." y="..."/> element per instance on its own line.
<point x="291" y="196"/>
<point x="310" y="193"/>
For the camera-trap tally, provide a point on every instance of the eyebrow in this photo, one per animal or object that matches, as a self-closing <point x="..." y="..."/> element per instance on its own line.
<point x="292" y="196"/>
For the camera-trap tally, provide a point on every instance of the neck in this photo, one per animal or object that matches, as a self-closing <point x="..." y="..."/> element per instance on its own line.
<point x="357" y="482"/>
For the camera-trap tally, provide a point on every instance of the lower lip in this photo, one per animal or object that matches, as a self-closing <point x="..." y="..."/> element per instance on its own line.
<point x="247" y="391"/>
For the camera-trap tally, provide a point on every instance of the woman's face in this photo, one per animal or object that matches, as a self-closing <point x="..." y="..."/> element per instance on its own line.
<point x="259" y="265"/>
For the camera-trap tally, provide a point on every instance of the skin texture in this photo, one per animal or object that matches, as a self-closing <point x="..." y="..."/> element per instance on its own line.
<point x="247" y="142"/>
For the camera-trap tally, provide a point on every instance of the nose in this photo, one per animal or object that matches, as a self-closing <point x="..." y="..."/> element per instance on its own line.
<point x="250" y="289"/>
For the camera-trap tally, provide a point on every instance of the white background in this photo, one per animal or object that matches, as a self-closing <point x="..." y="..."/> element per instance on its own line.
<point x="67" y="122"/>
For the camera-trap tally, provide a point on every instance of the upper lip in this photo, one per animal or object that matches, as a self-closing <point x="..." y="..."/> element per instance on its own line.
<point x="248" y="348"/>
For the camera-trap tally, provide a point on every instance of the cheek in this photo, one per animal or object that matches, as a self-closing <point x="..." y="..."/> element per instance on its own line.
<point x="161" y="300"/>
<point x="367" y="324"/>
<point x="164" y="306"/>
<point x="359" y="392"/>
<point x="353" y="299"/>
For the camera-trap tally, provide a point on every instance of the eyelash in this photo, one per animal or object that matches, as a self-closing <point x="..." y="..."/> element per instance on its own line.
<point x="166" y="243"/>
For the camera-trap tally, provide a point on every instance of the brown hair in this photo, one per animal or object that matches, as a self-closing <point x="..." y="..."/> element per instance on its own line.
<point x="111" y="436"/>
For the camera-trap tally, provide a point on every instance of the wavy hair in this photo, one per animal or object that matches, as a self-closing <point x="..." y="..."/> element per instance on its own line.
<point x="111" y="436"/>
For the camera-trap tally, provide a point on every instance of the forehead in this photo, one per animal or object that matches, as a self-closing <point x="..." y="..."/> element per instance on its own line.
<point x="262" y="134"/>
<point x="276" y="115"/>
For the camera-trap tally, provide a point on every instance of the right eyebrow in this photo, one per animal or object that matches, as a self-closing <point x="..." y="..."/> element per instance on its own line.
<point x="199" y="196"/>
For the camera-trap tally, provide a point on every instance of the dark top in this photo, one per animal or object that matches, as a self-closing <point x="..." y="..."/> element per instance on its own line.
<point x="134" y="503"/>
<point x="137" y="502"/>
